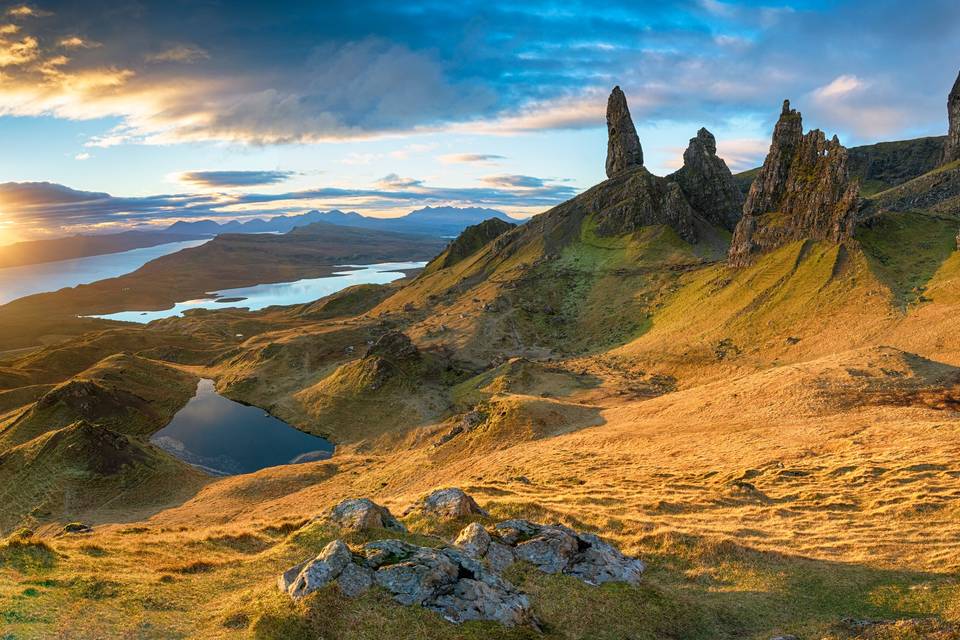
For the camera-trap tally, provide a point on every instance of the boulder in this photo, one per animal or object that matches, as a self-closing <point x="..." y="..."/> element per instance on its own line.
<point x="444" y="580"/>
<point x="623" y="143"/>
<point x="449" y="503"/>
<point x="803" y="191"/>
<point x="320" y="571"/>
<point x="359" y="514"/>
<point x="559" y="549"/>
<point x="951" y="148"/>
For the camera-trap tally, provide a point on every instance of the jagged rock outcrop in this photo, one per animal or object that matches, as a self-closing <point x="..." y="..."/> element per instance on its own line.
<point x="395" y="347"/>
<point x="623" y="143"/>
<point x="552" y="549"/>
<point x="444" y="580"/>
<point x="802" y="191"/>
<point x="470" y="240"/>
<point x="360" y="514"/>
<point x="447" y="503"/>
<point x="708" y="184"/>
<point x="951" y="149"/>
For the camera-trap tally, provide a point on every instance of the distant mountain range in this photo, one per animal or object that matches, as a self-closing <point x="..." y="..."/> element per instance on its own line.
<point x="433" y="221"/>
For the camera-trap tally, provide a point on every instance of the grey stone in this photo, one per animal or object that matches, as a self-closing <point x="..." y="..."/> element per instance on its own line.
<point x="623" y="143"/>
<point x="358" y="514"/>
<point x="559" y="549"/>
<point x="450" y="503"/>
<point x="382" y="552"/>
<point x="354" y="580"/>
<point x="320" y="571"/>
<point x="551" y="550"/>
<point x="598" y="562"/>
<point x="418" y="577"/>
<point x="499" y="556"/>
<point x="473" y="540"/>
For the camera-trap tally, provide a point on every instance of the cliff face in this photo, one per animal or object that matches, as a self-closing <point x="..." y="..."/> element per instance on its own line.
<point x="623" y="143"/>
<point x="802" y="191"/>
<point x="951" y="150"/>
<point x="708" y="184"/>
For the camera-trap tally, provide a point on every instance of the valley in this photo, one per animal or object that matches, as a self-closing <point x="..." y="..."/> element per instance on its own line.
<point x="749" y="383"/>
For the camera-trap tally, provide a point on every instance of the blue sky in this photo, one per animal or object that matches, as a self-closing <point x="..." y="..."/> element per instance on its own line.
<point x="153" y="111"/>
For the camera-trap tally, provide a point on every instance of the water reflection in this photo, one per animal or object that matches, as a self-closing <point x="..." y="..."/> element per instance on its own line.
<point x="282" y="293"/>
<point x="224" y="437"/>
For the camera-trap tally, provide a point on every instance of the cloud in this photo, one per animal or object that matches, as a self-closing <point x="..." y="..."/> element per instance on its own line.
<point x="471" y="158"/>
<point x="393" y="181"/>
<point x="82" y="156"/>
<point x="496" y="68"/>
<point x="52" y="208"/>
<point x="184" y="53"/>
<point x="229" y="179"/>
<point x="838" y="87"/>
<point x="513" y="181"/>
<point x="26" y="11"/>
<point x="76" y="42"/>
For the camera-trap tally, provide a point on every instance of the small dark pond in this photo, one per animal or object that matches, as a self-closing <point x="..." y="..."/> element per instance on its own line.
<point x="224" y="437"/>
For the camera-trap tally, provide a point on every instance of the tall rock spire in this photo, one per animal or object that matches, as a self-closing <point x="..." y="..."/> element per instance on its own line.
<point x="803" y="191"/>
<point x="623" y="143"/>
<point x="951" y="150"/>
<point x="707" y="182"/>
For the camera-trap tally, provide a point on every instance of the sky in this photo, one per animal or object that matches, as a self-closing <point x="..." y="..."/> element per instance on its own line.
<point x="122" y="115"/>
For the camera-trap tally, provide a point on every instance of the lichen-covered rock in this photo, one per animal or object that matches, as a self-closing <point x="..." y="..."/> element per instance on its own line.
<point x="358" y="514"/>
<point x="354" y="580"/>
<point x="951" y="149"/>
<point x="449" y="503"/>
<point x="320" y="571"/>
<point x="559" y="549"/>
<point x="707" y="183"/>
<point x="473" y="540"/>
<point x="447" y="581"/>
<point x="803" y="191"/>
<point x="623" y="143"/>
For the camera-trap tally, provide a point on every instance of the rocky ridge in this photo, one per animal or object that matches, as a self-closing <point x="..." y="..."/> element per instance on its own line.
<point x="702" y="191"/>
<point x="802" y="191"/>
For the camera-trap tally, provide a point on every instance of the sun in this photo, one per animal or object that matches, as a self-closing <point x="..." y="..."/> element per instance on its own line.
<point x="6" y="230"/>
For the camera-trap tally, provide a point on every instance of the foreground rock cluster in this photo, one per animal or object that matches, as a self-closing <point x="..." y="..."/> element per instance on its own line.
<point x="803" y="191"/>
<point x="461" y="581"/>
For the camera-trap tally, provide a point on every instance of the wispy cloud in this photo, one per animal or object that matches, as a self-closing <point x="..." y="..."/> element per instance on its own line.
<point x="231" y="179"/>
<point x="471" y="158"/>
<point x="184" y="53"/>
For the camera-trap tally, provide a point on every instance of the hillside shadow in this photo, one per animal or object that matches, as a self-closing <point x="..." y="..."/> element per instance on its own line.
<point x="905" y="250"/>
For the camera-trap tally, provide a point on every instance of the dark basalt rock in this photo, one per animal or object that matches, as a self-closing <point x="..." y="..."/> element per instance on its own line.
<point x="708" y="184"/>
<point x="951" y="150"/>
<point x="395" y="347"/>
<point x="470" y="240"/>
<point x="635" y="199"/>
<point x="802" y="191"/>
<point x="623" y="143"/>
